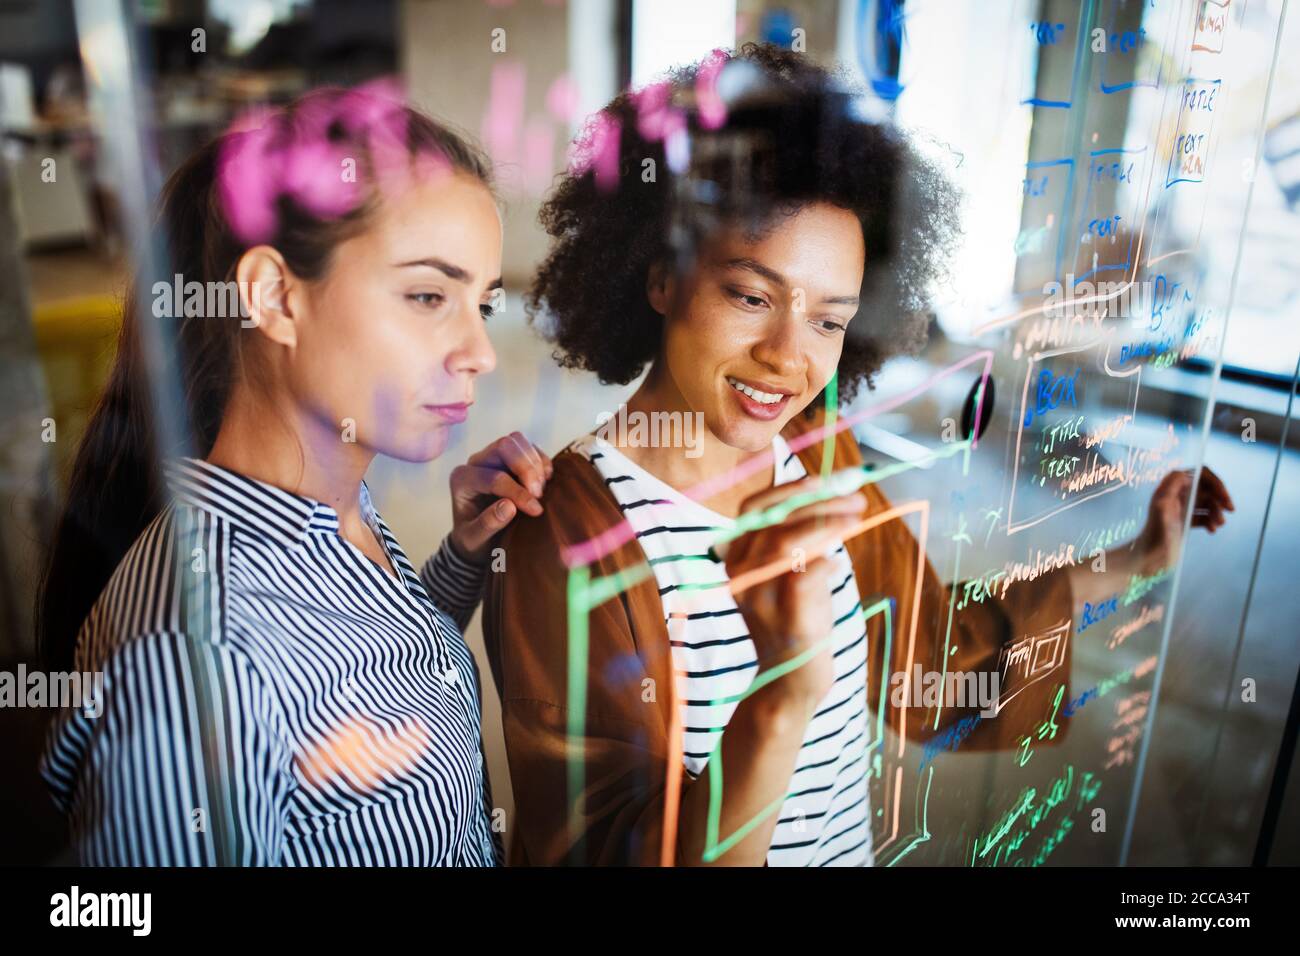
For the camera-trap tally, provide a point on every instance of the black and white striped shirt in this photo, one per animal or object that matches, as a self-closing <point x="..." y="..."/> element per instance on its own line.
<point x="272" y="696"/>
<point x="825" y="820"/>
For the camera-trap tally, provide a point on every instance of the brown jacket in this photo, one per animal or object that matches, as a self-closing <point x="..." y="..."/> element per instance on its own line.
<point x="625" y="744"/>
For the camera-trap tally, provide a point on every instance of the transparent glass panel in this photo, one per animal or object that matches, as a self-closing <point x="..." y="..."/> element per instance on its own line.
<point x="1126" y="135"/>
<point x="1129" y="171"/>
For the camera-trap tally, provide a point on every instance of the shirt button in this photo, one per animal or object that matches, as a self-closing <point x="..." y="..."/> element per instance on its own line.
<point x="452" y="675"/>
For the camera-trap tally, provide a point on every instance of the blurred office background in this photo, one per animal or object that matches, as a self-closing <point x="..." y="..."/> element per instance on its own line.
<point x="65" y="261"/>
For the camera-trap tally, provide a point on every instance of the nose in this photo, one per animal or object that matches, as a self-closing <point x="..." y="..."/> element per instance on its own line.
<point x="779" y="348"/>
<point x="473" y="353"/>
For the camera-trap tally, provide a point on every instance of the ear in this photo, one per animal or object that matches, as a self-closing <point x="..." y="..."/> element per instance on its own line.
<point x="660" y="287"/>
<point x="268" y="291"/>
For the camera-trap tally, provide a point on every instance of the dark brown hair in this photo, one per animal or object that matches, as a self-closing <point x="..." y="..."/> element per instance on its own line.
<point x="115" y="488"/>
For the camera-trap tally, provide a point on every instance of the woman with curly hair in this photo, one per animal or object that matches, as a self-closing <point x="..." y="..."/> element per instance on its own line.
<point x="741" y="232"/>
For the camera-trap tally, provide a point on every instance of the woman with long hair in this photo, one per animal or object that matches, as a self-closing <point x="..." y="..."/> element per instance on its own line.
<point x="281" y="685"/>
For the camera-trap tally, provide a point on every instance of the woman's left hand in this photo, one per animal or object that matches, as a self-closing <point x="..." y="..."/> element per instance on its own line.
<point x="1161" y="538"/>
<point x="506" y="477"/>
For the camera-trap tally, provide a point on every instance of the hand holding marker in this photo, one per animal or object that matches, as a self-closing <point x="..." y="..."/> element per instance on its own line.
<point x="835" y="485"/>
<point x="779" y="561"/>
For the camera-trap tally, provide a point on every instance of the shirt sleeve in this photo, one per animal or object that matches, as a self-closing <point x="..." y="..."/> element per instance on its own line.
<point x="183" y="761"/>
<point x="454" y="583"/>
<point x="619" y="759"/>
<point x="936" y="630"/>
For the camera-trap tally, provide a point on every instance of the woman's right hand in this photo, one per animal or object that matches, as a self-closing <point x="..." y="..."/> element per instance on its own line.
<point x="788" y="610"/>
<point x="506" y="477"/>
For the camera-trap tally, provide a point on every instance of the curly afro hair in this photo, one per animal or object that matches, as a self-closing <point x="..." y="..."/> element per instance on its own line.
<point x="790" y="136"/>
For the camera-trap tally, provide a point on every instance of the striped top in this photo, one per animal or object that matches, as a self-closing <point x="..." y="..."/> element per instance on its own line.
<point x="825" y="820"/>
<point x="273" y="696"/>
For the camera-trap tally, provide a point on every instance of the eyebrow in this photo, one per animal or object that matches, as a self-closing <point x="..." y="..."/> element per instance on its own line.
<point x="453" y="272"/>
<point x="753" y="265"/>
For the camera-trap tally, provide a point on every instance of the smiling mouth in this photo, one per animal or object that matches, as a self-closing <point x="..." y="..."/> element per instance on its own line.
<point x="763" y="398"/>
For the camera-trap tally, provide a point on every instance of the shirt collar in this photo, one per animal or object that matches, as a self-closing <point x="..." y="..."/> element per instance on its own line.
<point x="267" y="510"/>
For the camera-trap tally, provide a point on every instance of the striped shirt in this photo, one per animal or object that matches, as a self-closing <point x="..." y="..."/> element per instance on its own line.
<point x="273" y="696"/>
<point x="825" y="819"/>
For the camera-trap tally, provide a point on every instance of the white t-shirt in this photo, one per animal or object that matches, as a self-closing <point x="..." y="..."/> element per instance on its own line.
<point x="825" y="820"/>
